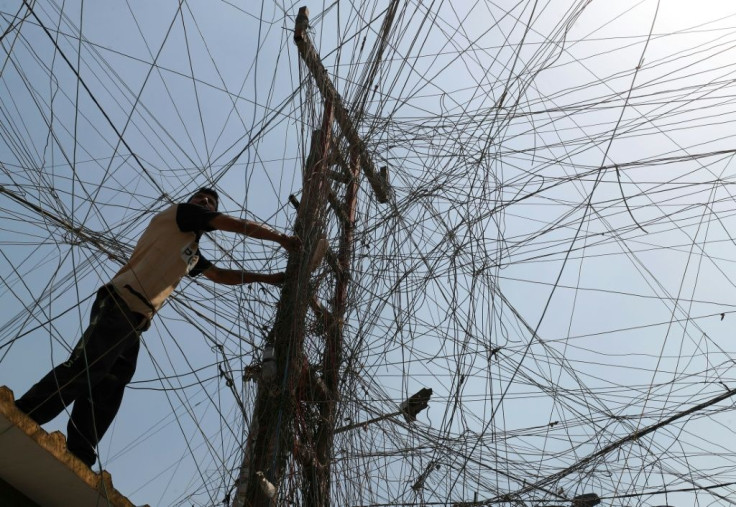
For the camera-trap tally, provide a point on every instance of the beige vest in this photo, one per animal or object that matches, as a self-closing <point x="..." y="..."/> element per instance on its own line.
<point x="161" y="258"/>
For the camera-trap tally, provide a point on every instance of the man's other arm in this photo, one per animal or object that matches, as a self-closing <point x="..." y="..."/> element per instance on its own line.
<point x="255" y="230"/>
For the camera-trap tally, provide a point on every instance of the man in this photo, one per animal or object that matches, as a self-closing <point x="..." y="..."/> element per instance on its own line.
<point x="104" y="360"/>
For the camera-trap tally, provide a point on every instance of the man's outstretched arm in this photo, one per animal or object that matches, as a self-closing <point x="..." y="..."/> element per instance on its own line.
<point x="239" y="276"/>
<point x="255" y="230"/>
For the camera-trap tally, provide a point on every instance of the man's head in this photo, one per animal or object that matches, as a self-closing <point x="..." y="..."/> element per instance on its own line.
<point x="205" y="197"/>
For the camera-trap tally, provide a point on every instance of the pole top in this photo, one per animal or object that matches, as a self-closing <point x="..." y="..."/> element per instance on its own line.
<point x="301" y="24"/>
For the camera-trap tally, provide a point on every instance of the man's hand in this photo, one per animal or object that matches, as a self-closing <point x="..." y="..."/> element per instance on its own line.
<point x="274" y="278"/>
<point x="290" y="243"/>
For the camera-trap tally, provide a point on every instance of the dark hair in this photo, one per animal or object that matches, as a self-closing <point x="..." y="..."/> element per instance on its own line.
<point x="209" y="191"/>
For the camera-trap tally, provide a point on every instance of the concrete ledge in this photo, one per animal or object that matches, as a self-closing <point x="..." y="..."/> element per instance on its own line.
<point x="38" y="465"/>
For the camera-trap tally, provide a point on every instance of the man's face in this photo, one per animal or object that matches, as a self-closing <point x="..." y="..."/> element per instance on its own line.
<point x="205" y="200"/>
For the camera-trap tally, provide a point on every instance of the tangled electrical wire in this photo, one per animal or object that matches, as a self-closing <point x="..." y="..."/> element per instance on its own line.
<point x="553" y="261"/>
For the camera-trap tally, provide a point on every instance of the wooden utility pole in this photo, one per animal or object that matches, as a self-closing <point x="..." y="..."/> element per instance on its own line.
<point x="311" y="59"/>
<point x="288" y="393"/>
<point x="271" y="430"/>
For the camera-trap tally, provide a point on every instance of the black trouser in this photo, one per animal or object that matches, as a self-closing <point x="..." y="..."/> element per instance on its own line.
<point x="94" y="377"/>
